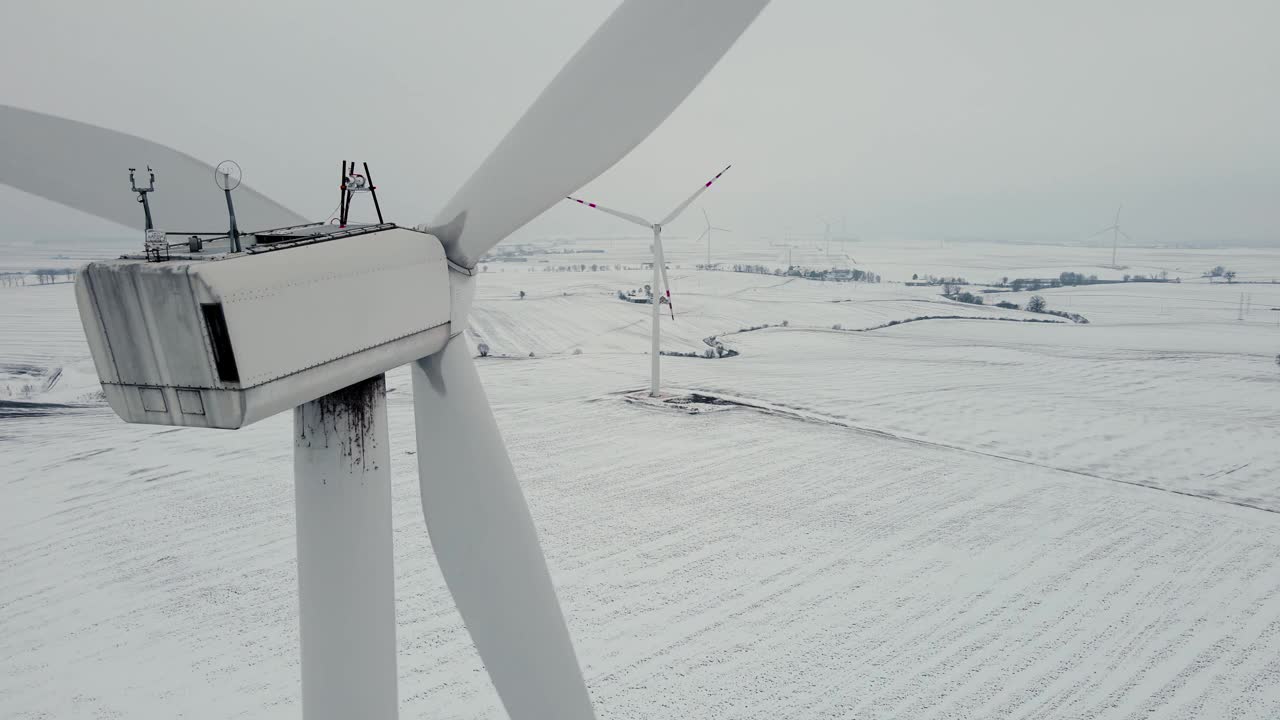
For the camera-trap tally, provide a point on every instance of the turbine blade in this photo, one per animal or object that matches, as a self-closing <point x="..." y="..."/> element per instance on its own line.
<point x="86" y="167"/>
<point x="721" y="229"/>
<point x="486" y="544"/>
<point x="680" y="208"/>
<point x="706" y="217"/>
<point x="660" y="257"/>
<point x="1126" y="235"/>
<point x="628" y="77"/>
<point x="1103" y="230"/>
<point x="704" y="234"/>
<point x="616" y="213"/>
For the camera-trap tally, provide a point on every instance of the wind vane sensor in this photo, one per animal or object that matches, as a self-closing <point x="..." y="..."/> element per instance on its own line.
<point x="227" y="175"/>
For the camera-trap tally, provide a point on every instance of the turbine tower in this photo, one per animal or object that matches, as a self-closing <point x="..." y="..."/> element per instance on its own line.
<point x="309" y="316"/>
<point x="659" y="269"/>
<point x="707" y="233"/>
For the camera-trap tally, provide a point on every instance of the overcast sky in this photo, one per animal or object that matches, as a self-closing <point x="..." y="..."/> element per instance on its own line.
<point x="1005" y="119"/>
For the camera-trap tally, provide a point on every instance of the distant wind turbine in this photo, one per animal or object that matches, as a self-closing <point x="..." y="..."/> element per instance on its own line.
<point x="707" y="233"/>
<point x="826" y="234"/>
<point x="1116" y="232"/>
<point x="659" y="265"/>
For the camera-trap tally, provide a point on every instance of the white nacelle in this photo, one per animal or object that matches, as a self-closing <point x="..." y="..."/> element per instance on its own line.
<point x="228" y="340"/>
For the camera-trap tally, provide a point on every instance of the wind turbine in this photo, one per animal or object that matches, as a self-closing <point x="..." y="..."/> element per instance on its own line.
<point x="707" y="233"/>
<point x="311" y="317"/>
<point x="659" y="268"/>
<point x="1116" y="232"/>
<point x="844" y="237"/>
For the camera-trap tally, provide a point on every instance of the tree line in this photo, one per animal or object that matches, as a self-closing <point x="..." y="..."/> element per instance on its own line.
<point x="43" y="276"/>
<point x="832" y="275"/>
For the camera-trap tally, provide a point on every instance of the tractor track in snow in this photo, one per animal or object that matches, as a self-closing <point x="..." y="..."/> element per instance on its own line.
<point x="810" y="416"/>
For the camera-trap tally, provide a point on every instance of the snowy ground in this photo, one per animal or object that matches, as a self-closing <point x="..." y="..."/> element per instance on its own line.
<point x="944" y="518"/>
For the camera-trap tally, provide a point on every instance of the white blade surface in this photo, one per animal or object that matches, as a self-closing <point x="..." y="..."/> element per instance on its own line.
<point x="680" y="208"/>
<point x="661" y="258"/>
<point x="86" y="167"/>
<point x="642" y="63"/>
<point x="616" y="213"/>
<point x="487" y="546"/>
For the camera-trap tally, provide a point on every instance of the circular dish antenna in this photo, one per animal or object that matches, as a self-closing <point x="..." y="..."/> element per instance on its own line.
<point x="227" y="175"/>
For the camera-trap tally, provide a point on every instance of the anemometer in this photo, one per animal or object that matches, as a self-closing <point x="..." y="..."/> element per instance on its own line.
<point x="143" y="192"/>
<point x="154" y="243"/>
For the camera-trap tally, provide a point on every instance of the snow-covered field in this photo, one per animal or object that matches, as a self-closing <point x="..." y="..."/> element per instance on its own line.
<point x="939" y="519"/>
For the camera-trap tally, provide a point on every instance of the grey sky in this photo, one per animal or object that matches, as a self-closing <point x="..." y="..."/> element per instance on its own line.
<point x="919" y="118"/>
